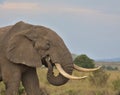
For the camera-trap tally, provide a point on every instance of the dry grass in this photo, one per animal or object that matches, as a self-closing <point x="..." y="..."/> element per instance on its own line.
<point x="75" y="87"/>
<point x="79" y="87"/>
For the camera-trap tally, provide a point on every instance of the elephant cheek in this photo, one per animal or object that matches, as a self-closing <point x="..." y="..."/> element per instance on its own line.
<point x="42" y="53"/>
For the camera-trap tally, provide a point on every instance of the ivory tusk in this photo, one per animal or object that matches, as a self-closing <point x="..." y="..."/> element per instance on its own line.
<point x="85" y="69"/>
<point x="60" y="69"/>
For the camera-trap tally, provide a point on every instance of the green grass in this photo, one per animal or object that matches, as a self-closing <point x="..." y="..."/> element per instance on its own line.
<point x="75" y="87"/>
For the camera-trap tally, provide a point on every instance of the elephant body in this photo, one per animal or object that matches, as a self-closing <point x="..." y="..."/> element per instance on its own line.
<point x="23" y="48"/>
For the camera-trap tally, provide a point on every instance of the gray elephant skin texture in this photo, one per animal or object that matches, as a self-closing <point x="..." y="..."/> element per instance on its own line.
<point x="23" y="48"/>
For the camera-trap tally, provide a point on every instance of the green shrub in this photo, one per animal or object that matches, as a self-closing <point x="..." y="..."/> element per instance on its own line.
<point x="84" y="61"/>
<point x="109" y="68"/>
<point x="99" y="78"/>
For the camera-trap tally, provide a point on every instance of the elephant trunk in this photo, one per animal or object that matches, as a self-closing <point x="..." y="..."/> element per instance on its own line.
<point x="59" y="79"/>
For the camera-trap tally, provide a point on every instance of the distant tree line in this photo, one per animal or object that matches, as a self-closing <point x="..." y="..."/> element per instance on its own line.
<point x="109" y="68"/>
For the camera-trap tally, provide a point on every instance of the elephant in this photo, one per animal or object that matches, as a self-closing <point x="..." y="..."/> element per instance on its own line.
<point x="25" y="47"/>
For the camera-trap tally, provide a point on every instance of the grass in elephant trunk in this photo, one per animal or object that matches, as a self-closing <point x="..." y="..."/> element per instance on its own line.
<point x="2" y="88"/>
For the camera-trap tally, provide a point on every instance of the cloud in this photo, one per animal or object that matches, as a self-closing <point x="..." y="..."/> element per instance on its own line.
<point x="32" y="10"/>
<point x="24" y="6"/>
<point x="34" y="7"/>
<point x="18" y="6"/>
<point x="35" y="10"/>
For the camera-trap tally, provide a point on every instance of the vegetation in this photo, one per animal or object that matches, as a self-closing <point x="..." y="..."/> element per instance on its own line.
<point x="21" y="89"/>
<point x="110" y="67"/>
<point x="99" y="78"/>
<point x="84" y="61"/>
<point x="76" y="87"/>
<point x="116" y="85"/>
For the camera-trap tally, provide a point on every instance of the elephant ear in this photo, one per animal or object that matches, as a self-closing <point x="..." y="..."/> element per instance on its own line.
<point x="20" y="50"/>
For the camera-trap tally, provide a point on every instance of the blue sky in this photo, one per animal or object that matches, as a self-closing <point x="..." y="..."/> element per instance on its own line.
<point x="89" y="27"/>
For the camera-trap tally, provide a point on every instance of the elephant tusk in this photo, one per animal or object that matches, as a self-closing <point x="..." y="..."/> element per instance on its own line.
<point x="85" y="69"/>
<point x="60" y="69"/>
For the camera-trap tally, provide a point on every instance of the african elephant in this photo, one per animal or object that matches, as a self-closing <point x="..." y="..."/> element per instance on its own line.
<point x="23" y="48"/>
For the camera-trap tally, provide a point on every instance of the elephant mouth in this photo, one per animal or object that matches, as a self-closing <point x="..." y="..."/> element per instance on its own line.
<point x="50" y="65"/>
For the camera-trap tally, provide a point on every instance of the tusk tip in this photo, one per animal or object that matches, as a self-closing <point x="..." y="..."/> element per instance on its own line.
<point x="86" y="69"/>
<point x="99" y="67"/>
<point x="85" y="76"/>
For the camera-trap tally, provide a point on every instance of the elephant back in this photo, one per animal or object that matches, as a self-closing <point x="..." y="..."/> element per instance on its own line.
<point x="3" y="30"/>
<point x="18" y="27"/>
<point x="6" y="28"/>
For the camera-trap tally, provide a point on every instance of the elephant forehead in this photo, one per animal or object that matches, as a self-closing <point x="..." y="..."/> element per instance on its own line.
<point x="54" y="36"/>
<point x="46" y="33"/>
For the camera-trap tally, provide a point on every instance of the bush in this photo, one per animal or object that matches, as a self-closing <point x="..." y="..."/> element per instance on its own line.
<point x="84" y="61"/>
<point x="111" y="68"/>
<point x="99" y="78"/>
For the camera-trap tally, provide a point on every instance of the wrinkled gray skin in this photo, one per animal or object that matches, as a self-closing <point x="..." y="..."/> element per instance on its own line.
<point x="23" y="48"/>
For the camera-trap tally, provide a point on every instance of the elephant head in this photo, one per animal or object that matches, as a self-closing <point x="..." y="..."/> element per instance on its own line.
<point x="34" y="46"/>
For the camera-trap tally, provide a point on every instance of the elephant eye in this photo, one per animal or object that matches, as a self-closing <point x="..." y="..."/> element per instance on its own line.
<point x="47" y="45"/>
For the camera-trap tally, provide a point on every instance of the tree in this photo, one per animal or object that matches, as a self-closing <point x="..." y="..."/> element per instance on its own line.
<point x="84" y="61"/>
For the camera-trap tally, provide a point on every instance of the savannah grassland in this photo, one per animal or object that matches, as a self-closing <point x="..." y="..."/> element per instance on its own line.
<point x="76" y="87"/>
